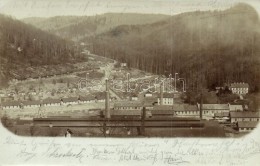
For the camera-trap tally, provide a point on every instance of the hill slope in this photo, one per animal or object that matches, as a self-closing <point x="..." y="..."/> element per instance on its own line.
<point x="23" y="46"/>
<point x="76" y="27"/>
<point x="206" y="48"/>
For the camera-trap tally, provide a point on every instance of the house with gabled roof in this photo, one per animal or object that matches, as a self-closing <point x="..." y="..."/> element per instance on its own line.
<point x="31" y="104"/>
<point x="51" y="102"/>
<point x="246" y="126"/>
<point x="11" y="105"/>
<point x="233" y="107"/>
<point x="244" y="116"/>
<point x="87" y="99"/>
<point x="163" y="110"/>
<point x="100" y="96"/>
<point x="70" y="100"/>
<point x="239" y="88"/>
<point x="167" y="99"/>
<point x="208" y="110"/>
<point x="128" y="105"/>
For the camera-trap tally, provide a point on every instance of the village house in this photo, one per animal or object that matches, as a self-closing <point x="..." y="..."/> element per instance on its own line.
<point x="208" y="110"/>
<point x="11" y="105"/>
<point x="189" y="110"/>
<point x="123" y="64"/>
<point x="87" y="99"/>
<point x="100" y="97"/>
<point x="168" y="99"/>
<point x="244" y="116"/>
<point x="178" y="110"/>
<point x="70" y="100"/>
<point x="235" y="107"/>
<point x="163" y="111"/>
<point x="51" y="102"/>
<point x="31" y="104"/>
<point x="239" y="88"/>
<point x="133" y="97"/>
<point x="128" y="105"/>
<point x="149" y="101"/>
<point x="246" y="126"/>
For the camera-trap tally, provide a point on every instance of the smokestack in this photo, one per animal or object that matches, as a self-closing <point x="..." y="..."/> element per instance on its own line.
<point x="143" y="121"/>
<point x="107" y="106"/>
<point x="201" y="105"/>
<point x="161" y="93"/>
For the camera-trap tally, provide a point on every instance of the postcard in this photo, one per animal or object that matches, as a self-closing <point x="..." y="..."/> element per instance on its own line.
<point x="129" y="82"/>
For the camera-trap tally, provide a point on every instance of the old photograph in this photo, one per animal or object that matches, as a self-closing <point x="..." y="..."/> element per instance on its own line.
<point x="130" y="68"/>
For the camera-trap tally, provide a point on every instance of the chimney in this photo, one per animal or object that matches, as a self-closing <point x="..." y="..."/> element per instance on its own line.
<point x="201" y="105"/>
<point x="143" y="116"/>
<point x="107" y="106"/>
<point x="161" y="93"/>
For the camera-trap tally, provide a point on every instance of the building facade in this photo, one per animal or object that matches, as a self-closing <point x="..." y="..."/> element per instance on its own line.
<point x="244" y="117"/>
<point x="239" y="88"/>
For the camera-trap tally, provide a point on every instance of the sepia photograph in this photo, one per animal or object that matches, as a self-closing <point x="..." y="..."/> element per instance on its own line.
<point x="130" y="69"/>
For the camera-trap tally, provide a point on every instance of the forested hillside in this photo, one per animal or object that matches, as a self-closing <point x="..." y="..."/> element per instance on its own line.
<point x="77" y="27"/>
<point x="206" y="48"/>
<point x="23" y="46"/>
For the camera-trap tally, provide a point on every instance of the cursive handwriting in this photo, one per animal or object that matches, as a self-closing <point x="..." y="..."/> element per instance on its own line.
<point x="167" y="152"/>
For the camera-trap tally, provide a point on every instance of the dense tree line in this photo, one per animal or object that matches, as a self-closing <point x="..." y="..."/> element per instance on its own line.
<point x="206" y="48"/>
<point x="22" y="46"/>
<point x="78" y="27"/>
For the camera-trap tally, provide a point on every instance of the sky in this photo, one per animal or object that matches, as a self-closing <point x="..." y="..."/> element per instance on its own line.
<point x="48" y="8"/>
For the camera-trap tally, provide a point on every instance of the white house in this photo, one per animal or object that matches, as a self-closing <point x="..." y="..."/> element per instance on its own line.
<point x="239" y="88"/>
<point x="134" y="97"/>
<point x="168" y="99"/>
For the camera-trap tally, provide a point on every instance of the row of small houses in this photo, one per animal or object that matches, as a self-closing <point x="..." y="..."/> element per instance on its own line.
<point x="52" y="102"/>
<point x="209" y="110"/>
<point x="245" y="120"/>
